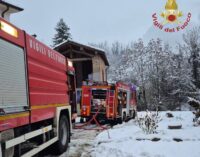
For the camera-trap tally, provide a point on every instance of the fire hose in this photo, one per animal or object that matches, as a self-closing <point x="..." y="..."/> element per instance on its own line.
<point x="101" y="127"/>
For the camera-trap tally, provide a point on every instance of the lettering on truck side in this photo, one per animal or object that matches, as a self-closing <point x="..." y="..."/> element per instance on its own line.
<point x="47" y="52"/>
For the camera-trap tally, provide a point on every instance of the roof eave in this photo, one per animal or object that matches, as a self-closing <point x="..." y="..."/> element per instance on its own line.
<point x="100" y="52"/>
<point x="18" y="9"/>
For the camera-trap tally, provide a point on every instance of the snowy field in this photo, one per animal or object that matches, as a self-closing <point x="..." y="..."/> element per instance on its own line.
<point x="127" y="140"/>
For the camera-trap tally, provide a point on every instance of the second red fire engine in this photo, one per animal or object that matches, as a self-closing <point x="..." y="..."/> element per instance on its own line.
<point x="113" y="102"/>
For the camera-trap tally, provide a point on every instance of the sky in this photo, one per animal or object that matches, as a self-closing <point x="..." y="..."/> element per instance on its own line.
<point x="95" y="21"/>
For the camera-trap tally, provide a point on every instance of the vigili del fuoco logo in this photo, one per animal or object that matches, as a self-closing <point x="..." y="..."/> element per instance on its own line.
<point x="172" y="18"/>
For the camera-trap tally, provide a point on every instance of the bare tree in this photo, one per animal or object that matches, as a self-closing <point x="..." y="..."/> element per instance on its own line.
<point x="117" y="48"/>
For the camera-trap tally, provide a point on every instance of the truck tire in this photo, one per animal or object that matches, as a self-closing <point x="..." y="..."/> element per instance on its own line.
<point x="1" y="151"/>
<point x="82" y="120"/>
<point x="124" y="117"/>
<point x="119" y="120"/>
<point x="63" y="138"/>
<point x="134" y="114"/>
<point x="7" y="135"/>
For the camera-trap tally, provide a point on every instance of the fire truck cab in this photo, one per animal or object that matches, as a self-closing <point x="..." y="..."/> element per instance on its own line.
<point x="113" y="102"/>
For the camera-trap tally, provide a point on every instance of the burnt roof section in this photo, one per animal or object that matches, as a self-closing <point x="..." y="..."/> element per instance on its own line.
<point x="14" y="7"/>
<point x="69" y="44"/>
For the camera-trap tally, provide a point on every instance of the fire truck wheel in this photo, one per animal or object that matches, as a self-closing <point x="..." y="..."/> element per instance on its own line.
<point x="7" y="135"/>
<point x="119" y="120"/>
<point x="124" y="116"/>
<point x="63" y="138"/>
<point x="134" y="114"/>
<point x="82" y="120"/>
<point x="1" y="151"/>
<point x="88" y="119"/>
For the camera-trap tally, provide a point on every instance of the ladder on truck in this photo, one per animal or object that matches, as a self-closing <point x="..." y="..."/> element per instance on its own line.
<point x="110" y="104"/>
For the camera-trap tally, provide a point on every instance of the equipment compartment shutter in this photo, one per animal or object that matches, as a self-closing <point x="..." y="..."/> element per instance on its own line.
<point x="13" y="87"/>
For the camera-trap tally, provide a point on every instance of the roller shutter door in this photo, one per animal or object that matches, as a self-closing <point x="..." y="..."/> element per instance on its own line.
<point x="13" y="87"/>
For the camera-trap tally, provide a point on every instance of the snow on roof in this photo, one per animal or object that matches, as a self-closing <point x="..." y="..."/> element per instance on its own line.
<point x="85" y="45"/>
<point x="93" y="48"/>
<point x="65" y="41"/>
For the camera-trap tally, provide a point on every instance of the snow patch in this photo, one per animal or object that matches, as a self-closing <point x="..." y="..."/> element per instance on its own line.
<point x="127" y="140"/>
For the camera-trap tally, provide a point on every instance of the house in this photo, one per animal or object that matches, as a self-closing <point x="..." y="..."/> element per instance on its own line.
<point x="90" y="63"/>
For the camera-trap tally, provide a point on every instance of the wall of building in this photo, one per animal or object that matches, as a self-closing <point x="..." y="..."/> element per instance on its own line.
<point x="99" y="69"/>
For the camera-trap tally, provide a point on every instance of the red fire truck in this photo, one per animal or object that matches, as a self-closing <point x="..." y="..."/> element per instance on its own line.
<point x="34" y="95"/>
<point x="114" y="102"/>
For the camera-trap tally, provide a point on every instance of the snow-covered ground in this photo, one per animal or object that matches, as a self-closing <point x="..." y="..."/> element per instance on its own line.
<point x="81" y="145"/>
<point x="127" y="140"/>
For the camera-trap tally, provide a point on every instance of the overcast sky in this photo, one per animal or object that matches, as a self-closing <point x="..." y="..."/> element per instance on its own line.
<point x="95" y="21"/>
